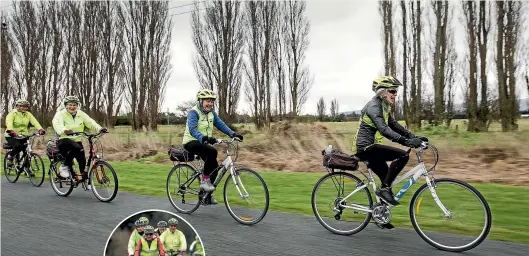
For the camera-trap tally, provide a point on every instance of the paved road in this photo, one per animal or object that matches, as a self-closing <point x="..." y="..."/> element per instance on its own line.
<point x="35" y="221"/>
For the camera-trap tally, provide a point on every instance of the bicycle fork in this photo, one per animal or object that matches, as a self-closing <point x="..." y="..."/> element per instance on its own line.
<point x="235" y="177"/>
<point x="431" y="186"/>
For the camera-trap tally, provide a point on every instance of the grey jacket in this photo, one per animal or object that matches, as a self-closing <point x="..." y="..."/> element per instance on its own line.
<point x="376" y="122"/>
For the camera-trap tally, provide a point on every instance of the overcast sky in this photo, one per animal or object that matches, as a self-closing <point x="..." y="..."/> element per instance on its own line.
<point x="344" y="54"/>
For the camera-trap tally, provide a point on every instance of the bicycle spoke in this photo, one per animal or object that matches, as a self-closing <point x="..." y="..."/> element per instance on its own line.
<point x="246" y="207"/>
<point x="333" y="208"/>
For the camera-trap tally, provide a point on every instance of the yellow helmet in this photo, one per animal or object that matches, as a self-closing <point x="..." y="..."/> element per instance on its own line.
<point x="385" y="82"/>
<point x="206" y="94"/>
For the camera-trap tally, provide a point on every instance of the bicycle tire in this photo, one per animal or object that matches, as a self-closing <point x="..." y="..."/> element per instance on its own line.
<point x="320" y="219"/>
<point x="199" y="200"/>
<point x="467" y="247"/>
<point x="39" y="183"/>
<point x="114" y="174"/>
<point x="53" y="173"/>
<point x="6" y="174"/>
<point x="267" y="196"/>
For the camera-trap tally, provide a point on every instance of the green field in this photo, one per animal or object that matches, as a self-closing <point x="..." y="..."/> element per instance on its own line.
<point x="291" y="192"/>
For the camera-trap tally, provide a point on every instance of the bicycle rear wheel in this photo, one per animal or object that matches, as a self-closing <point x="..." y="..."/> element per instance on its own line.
<point x="460" y="200"/>
<point x="183" y="188"/>
<point x="249" y="195"/>
<point x="11" y="173"/>
<point x="35" y="170"/>
<point x="331" y="214"/>
<point x="61" y="186"/>
<point x="103" y="175"/>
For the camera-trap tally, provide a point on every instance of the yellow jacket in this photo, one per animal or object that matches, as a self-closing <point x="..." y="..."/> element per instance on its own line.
<point x="19" y="122"/>
<point x="63" y="121"/>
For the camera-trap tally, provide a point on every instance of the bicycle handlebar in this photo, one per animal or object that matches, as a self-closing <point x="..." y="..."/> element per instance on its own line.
<point x="89" y="135"/>
<point x="220" y="141"/>
<point x="20" y="136"/>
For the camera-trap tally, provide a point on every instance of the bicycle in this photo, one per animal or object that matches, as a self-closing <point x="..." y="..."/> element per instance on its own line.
<point x="381" y="214"/>
<point x="74" y="180"/>
<point x="173" y="253"/>
<point x="191" y="174"/>
<point x="26" y="159"/>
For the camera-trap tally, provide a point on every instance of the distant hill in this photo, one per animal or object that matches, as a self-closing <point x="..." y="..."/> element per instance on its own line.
<point x="524" y="106"/>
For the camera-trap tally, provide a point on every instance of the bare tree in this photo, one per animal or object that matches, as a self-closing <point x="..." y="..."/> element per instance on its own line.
<point x="441" y="10"/>
<point x="320" y="108"/>
<point x="509" y="22"/>
<point x="6" y="66"/>
<point x="471" y="26"/>
<point x="185" y="106"/>
<point x="158" y="61"/>
<point x="297" y="42"/>
<point x="386" y="12"/>
<point x="261" y="22"/>
<point x="113" y="45"/>
<point x="334" y="108"/>
<point x="416" y="65"/>
<point x="218" y="36"/>
<point x="279" y="58"/>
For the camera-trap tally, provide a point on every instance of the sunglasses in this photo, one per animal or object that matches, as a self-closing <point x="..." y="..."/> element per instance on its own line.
<point x="392" y="91"/>
<point x="149" y="234"/>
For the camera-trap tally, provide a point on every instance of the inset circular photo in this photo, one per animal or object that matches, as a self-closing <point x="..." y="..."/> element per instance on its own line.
<point x="154" y="232"/>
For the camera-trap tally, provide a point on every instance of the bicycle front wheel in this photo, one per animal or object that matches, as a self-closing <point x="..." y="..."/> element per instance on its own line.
<point x="246" y="192"/>
<point x="10" y="172"/>
<point x="103" y="176"/>
<point x="453" y="217"/>
<point x="35" y="170"/>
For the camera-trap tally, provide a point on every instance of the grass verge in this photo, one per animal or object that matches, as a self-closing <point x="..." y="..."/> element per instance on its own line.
<point x="291" y="193"/>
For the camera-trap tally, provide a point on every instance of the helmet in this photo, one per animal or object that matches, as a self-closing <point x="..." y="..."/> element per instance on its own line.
<point x="70" y="99"/>
<point x="206" y="94"/>
<point x="162" y="224"/>
<point x="139" y="222"/>
<point x="24" y="103"/>
<point x="385" y="82"/>
<point x="172" y="221"/>
<point x="148" y="229"/>
<point x="145" y="220"/>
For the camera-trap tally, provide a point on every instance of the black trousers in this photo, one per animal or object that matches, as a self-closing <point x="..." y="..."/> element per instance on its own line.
<point x="377" y="156"/>
<point x="17" y="144"/>
<point x="207" y="153"/>
<point x="70" y="150"/>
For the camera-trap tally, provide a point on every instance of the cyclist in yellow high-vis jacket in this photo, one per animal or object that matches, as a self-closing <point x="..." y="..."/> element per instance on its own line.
<point x="17" y="123"/>
<point x="196" y="247"/>
<point x="149" y="245"/>
<point x="65" y="123"/>
<point x="174" y="238"/>
<point x="136" y="236"/>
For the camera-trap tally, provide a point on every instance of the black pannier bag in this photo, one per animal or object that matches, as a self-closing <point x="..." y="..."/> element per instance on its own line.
<point x="180" y="155"/>
<point x="339" y="160"/>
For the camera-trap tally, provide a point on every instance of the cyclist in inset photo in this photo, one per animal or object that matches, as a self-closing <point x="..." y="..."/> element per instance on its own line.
<point x="196" y="247"/>
<point x="65" y="123"/>
<point x="17" y="123"/>
<point x="162" y="225"/>
<point x="135" y="236"/>
<point x="173" y="238"/>
<point x="149" y="245"/>
<point x="201" y="120"/>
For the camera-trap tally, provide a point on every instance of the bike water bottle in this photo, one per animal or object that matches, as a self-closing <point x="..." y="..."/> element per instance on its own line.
<point x="329" y="149"/>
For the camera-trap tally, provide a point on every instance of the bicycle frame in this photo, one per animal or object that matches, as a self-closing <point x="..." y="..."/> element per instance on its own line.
<point x="228" y="164"/>
<point x="414" y="173"/>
